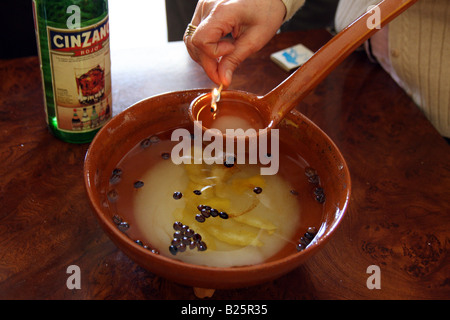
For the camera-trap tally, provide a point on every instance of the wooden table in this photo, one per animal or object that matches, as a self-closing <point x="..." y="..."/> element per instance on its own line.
<point x="398" y="218"/>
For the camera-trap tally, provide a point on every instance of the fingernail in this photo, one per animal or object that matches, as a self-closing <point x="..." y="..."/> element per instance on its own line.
<point x="228" y="76"/>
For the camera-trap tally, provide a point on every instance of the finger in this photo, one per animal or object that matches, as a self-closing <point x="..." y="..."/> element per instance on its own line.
<point x="248" y="42"/>
<point x="209" y="37"/>
<point x="209" y="41"/>
<point x="231" y="61"/>
<point x="198" y="15"/>
<point x="196" y="20"/>
<point x="192" y="50"/>
<point x="211" y="68"/>
<point x="209" y="65"/>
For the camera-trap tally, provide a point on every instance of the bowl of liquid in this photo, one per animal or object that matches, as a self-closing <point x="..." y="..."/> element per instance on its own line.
<point x="205" y="214"/>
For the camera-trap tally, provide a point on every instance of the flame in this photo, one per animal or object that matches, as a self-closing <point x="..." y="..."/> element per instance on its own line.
<point x="215" y="98"/>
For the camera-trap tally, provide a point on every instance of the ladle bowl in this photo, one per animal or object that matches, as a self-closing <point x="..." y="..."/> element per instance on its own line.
<point x="236" y="109"/>
<point x="276" y="104"/>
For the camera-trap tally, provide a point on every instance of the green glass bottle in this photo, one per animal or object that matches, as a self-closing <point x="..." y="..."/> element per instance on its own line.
<point x="73" y="44"/>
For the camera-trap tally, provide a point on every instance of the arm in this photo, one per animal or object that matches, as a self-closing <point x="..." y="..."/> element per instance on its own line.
<point x="252" y="23"/>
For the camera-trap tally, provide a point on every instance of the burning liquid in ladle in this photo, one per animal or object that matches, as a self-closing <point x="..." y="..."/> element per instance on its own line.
<point x="230" y="113"/>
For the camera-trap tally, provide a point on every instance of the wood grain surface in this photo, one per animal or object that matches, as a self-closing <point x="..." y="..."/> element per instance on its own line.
<point x="398" y="218"/>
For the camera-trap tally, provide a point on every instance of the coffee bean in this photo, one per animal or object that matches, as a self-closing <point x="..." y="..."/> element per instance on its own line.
<point x="116" y="176"/>
<point x="177" y="195"/>
<point x="318" y="191"/>
<point x="309" y="236"/>
<point x="173" y="250"/>
<point x="182" y="247"/>
<point x="117" y="219"/>
<point x="223" y="215"/>
<point x="185" y="240"/>
<point x="229" y="161"/>
<point x="176" y="242"/>
<point x="320" y="198"/>
<point x="200" y="218"/>
<point x="178" y="235"/>
<point x="123" y="226"/>
<point x="177" y="226"/>
<point x="206" y="213"/>
<point x="138" y="184"/>
<point x="214" y="213"/>
<point x="154" y="139"/>
<point x="196" y="237"/>
<point x="309" y="172"/>
<point x="257" y="190"/>
<point x="201" y="246"/>
<point x="145" y="143"/>
<point x="112" y="195"/>
<point x="312" y="230"/>
<point x="189" y="233"/>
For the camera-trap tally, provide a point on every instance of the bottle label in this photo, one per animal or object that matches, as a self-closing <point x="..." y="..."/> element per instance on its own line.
<point x="81" y="75"/>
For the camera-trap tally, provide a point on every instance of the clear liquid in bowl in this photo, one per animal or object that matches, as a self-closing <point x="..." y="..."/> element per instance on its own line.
<point x="266" y="215"/>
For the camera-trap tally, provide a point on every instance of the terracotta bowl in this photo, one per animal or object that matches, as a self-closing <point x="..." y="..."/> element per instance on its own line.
<point x="162" y="112"/>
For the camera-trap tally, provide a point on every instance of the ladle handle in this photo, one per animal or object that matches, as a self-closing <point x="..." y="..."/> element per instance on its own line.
<point x="282" y="99"/>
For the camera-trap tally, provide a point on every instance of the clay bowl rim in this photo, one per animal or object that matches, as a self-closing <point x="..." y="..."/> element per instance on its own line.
<point x="89" y="171"/>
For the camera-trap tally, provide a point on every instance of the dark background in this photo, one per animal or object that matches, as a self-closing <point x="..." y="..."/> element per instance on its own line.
<point x="17" y="37"/>
<point x="315" y="14"/>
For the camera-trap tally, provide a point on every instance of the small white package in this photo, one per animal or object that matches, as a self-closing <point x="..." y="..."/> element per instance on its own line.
<point x="292" y="57"/>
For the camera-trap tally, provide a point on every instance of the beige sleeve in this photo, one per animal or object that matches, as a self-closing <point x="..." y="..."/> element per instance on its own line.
<point x="419" y="48"/>
<point x="418" y="53"/>
<point x="291" y="7"/>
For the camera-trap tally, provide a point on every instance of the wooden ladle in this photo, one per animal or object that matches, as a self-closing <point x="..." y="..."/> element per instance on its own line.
<point x="267" y="111"/>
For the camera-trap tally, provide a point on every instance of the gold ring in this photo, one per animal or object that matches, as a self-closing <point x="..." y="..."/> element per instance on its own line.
<point x="190" y="30"/>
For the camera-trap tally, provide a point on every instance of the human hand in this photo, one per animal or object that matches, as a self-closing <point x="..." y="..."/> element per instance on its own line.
<point x="251" y="23"/>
